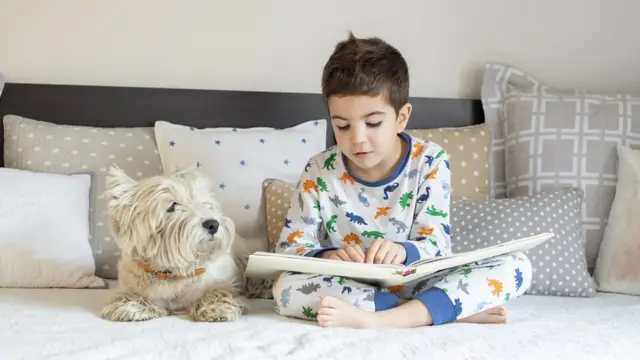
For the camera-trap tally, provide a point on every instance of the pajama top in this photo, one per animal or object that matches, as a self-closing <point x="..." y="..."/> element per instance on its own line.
<point x="332" y="207"/>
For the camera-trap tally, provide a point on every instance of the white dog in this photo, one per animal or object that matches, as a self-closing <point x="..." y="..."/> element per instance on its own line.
<point x="179" y="253"/>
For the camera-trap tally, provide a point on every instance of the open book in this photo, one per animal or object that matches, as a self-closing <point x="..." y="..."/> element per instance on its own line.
<point x="267" y="265"/>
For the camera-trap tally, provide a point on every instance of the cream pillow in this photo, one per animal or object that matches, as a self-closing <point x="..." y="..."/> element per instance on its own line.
<point x="618" y="264"/>
<point x="44" y="230"/>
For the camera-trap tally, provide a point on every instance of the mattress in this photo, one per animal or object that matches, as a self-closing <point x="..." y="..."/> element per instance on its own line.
<point x="64" y="324"/>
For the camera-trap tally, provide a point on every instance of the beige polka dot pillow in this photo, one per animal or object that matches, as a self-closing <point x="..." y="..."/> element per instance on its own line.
<point x="469" y="151"/>
<point x="277" y="195"/>
<point x="42" y="146"/>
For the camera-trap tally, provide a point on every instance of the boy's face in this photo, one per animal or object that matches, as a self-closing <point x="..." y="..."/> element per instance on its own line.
<point x="366" y="129"/>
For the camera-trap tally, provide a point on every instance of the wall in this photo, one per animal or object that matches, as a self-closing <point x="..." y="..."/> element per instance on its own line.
<point x="255" y="45"/>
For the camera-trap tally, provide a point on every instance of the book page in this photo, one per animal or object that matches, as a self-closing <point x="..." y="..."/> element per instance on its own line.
<point x="266" y="265"/>
<point x="514" y="245"/>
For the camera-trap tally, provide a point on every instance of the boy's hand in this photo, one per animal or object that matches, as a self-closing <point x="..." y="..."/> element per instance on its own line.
<point x="349" y="253"/>
<point x="385" y="252"/>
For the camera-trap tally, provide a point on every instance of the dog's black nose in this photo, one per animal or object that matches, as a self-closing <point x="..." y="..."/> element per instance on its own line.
<point x="211" y="226"/>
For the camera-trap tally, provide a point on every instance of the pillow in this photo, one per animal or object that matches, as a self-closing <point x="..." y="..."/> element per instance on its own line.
<point x="44" y="230"/>
<point x="469" y="152"/>
<point x="277" y="198"/>
<point x="547" y="138"/>
<point x="618" y="266"/>
<point x="559" y="266"/>
<point x="238" y="161"/>
<point x="45" y="147"/>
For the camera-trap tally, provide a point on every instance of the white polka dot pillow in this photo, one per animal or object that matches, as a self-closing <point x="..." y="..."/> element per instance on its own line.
<point x="238" y="161"/>
<point x="559" y="265"/>
<point x="46" y="147"/>
<point x="469" y="150"/>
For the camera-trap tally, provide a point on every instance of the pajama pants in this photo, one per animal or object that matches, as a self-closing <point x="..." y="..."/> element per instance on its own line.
<point x="449" y="295"/>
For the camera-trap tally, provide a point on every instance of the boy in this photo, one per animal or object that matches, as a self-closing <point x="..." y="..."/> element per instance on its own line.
<point x="381" y="196"/>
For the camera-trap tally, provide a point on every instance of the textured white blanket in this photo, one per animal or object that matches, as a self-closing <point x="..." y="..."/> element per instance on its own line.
<point x="63" y="324"/>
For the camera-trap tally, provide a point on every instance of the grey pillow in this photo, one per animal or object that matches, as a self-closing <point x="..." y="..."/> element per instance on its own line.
<point x="47" y="147"/>
<point x="546" y="138"/>
<point x="559" y="265"/>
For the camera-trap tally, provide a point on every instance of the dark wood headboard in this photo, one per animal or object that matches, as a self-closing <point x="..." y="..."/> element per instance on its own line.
<point x="110" y="106"/>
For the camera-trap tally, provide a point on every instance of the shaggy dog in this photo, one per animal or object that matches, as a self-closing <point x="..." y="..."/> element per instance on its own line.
<point x="179" y="253"/>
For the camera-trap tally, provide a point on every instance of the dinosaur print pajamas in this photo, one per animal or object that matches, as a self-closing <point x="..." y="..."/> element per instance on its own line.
<point x="332" y="208"/>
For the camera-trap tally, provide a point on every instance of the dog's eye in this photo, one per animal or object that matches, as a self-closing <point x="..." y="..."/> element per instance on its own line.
<point x="172" y="208"/>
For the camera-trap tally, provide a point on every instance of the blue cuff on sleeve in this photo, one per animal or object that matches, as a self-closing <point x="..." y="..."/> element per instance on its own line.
<point x="440" y="306"/>
<point x="316" y="252"/>
<point x="413" y="254"/>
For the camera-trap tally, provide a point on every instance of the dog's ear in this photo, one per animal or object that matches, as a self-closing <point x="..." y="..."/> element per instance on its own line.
<point x="182" y="172"/>
<point x="118" y="183"/>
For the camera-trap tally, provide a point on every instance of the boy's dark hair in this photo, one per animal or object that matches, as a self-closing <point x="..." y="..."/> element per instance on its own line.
<point x="367" y="66"/>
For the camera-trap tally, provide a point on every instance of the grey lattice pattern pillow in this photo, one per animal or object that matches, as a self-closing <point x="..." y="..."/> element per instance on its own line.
<point x="559" y="265"/>
<point x="546" y="138"/>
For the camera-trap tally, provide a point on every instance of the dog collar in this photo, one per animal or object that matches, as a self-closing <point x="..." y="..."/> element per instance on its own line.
<point x="166" y="274"/>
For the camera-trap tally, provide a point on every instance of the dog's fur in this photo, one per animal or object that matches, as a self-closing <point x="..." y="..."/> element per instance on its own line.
<point x="159" y="221"/>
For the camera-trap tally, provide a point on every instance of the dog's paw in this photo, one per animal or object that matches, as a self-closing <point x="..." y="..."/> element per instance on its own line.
<point x="218" y="306"/>
<point x="131" y="308"/>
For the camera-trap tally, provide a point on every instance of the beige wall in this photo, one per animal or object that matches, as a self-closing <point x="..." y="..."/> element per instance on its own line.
<point x="252" y="45"/>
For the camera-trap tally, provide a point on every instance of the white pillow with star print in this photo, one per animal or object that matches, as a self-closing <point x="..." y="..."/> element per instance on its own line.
<point x="239" y="160"/>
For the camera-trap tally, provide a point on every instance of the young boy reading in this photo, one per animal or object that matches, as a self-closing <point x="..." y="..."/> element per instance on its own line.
<point x="381" y="196"/>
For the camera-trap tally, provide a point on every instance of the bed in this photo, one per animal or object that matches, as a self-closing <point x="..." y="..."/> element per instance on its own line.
<point x="64" y="323"/>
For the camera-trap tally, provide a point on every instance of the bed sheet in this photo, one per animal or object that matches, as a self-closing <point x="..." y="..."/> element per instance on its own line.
<point x="63" y="324"/>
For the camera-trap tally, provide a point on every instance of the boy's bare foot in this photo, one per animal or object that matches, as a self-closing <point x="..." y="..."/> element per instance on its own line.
<point x="334" y="312"/>
<point x="495" y="315"/>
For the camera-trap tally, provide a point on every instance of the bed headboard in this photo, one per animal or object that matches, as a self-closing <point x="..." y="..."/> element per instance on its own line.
<point x="111" y="106"/>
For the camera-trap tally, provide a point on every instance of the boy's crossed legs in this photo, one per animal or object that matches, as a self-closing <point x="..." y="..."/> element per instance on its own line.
<point x="475" y="294"/>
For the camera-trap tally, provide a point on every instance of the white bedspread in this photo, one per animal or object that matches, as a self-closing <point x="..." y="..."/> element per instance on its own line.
<point x="63" y="324"/>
